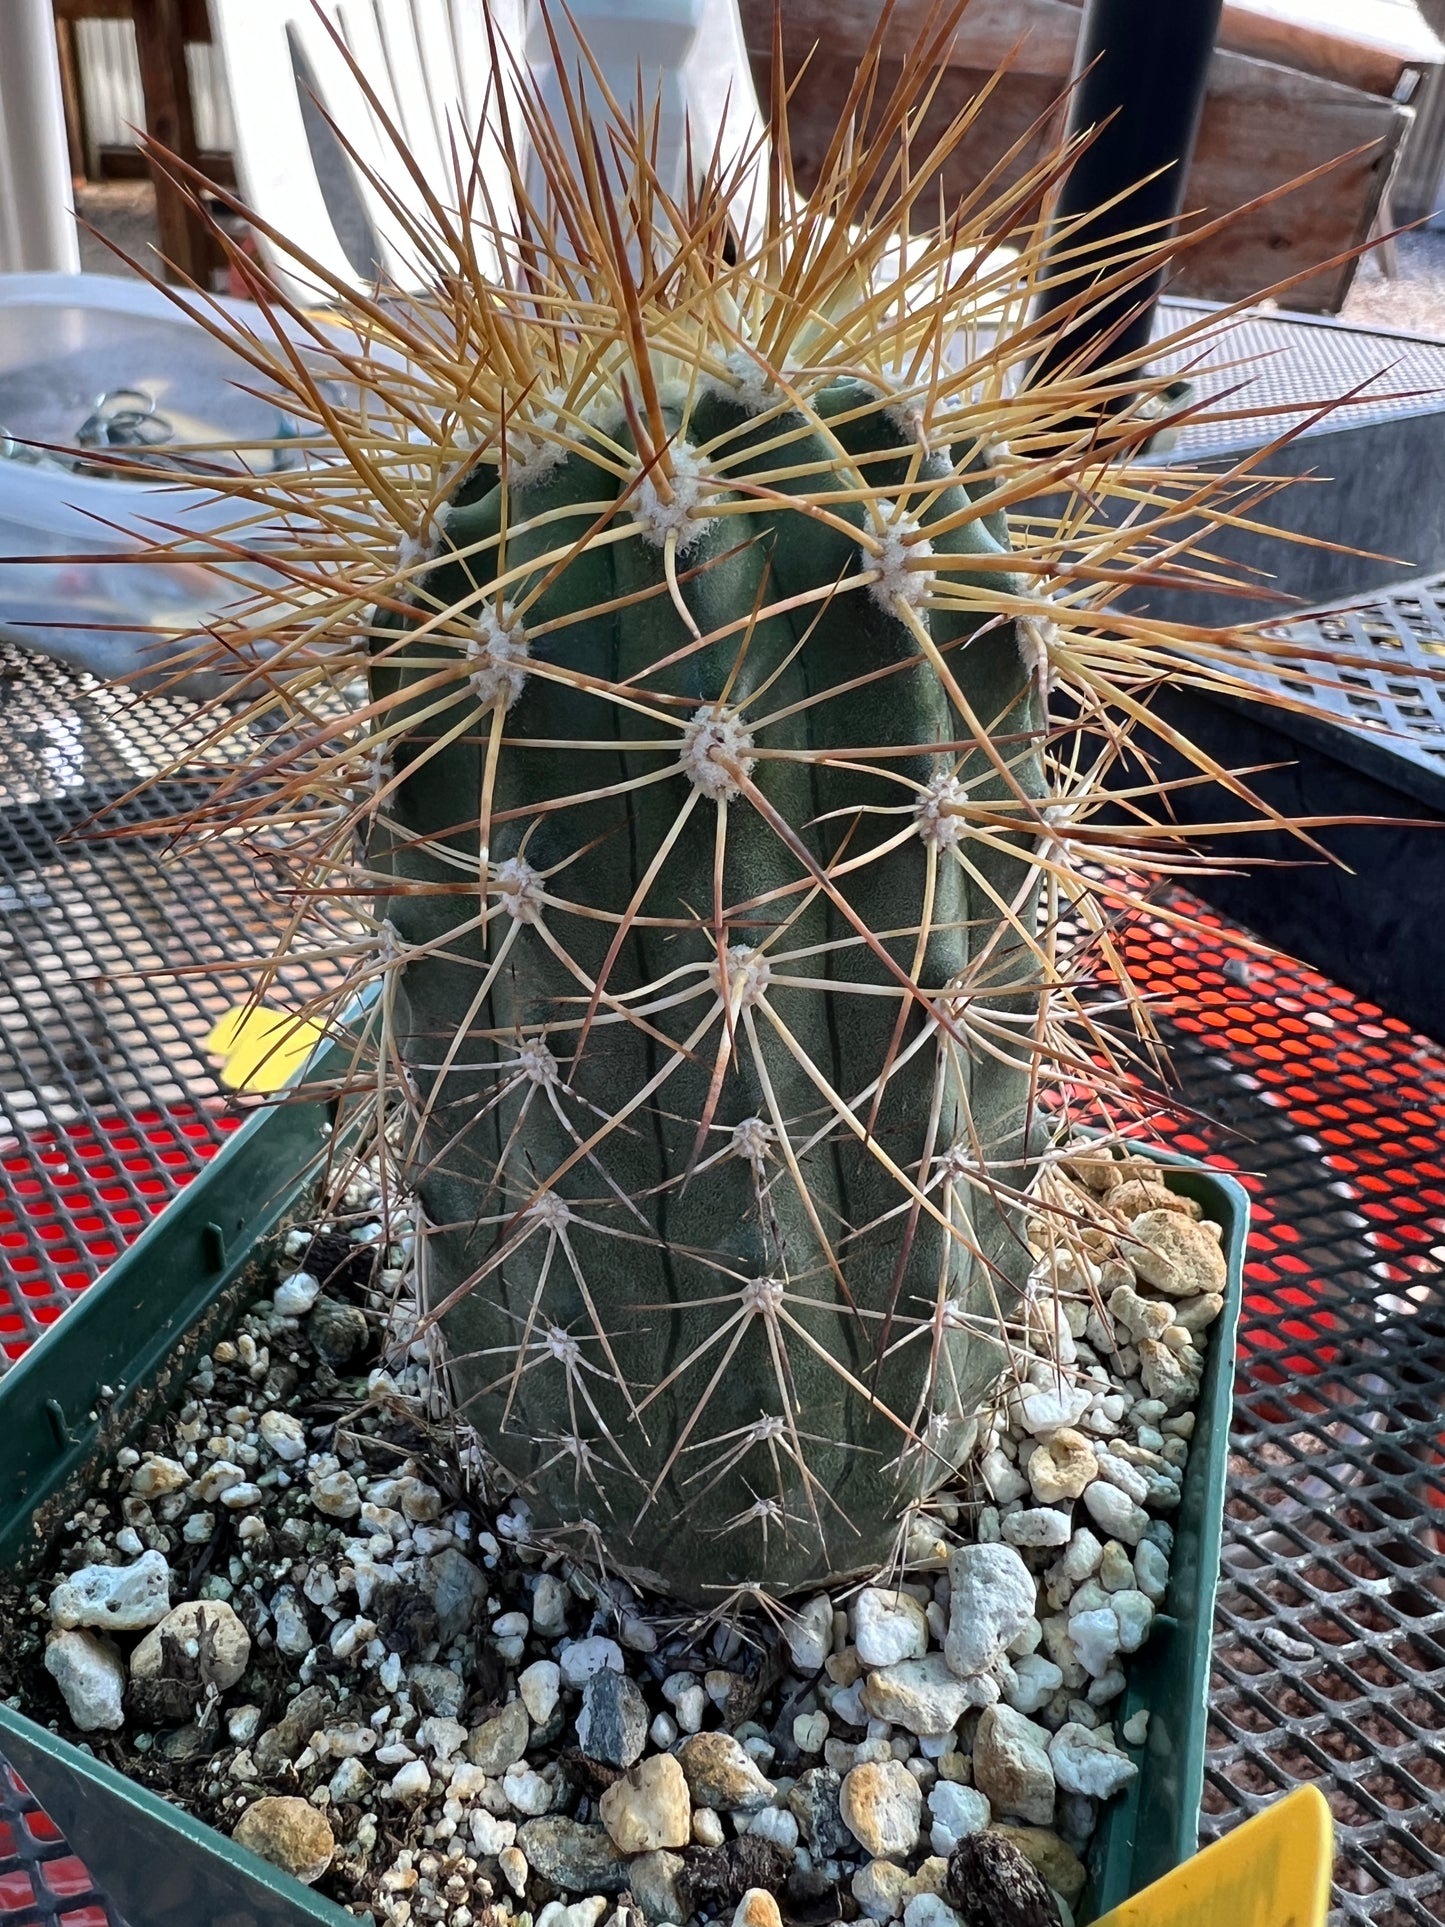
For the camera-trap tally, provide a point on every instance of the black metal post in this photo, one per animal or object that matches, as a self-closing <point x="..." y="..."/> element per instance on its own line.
<point x="1139" y="78"/>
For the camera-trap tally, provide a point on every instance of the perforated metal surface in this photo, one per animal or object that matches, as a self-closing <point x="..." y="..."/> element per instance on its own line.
<point x="42" y="1884"/>
<point x="116" y="958"/>
<point x="1390" y="701"/>
<point x="1330" y="1634"/>
<point x="1287" y="368"/>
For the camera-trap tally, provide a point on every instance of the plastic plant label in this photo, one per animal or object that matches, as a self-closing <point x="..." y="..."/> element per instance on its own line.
<point x="262" y="1048"/>
<point x="1274" y="1871"/>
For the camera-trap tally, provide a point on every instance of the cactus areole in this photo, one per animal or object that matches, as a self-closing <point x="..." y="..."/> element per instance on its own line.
<point x="704" y="822"/>
<point x="719" y="1030"/>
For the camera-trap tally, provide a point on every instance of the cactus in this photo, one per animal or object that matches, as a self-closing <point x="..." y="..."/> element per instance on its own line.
<point x="703" y="821"/>
<point x="702" y="1092"/>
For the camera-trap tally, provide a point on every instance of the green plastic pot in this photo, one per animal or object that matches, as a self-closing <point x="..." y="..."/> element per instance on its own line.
<point x="180" y="1287"/>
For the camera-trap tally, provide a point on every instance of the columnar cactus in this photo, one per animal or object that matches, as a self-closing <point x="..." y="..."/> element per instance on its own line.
<point x="702" y="818"/>
<point x="722" y="1054"/>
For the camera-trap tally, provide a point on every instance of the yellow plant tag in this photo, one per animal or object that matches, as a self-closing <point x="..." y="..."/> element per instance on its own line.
<point x="1274" y="1871"/>
<point x="262" y="1048"/>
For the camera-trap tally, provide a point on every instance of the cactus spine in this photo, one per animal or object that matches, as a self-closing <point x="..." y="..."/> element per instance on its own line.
<point x="714" y="1055"/>
<point x="702" y="818"/>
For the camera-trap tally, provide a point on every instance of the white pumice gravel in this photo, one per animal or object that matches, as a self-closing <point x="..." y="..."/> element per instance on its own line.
<point x="292" y="1588"/>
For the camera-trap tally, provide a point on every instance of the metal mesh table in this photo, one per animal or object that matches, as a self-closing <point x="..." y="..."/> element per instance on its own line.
<point x="1386" y="707"/>
<point x="41" y="1881"/>
<point x="1330" y="1641"/>
<point x="116" y="959"/>
<point x="1287" y="367"/>
<point x="1329" y="1661"/>
<point x="42" y="1884"/>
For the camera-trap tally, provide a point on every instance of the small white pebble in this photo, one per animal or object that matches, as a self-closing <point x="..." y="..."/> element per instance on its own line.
<point x="689" y="1706"/>
<point x="283" y="1435"/>
<point x="513" y="1863"/>
<point x="540" y="1687"/>
<point x="810" y="1730"/>
<point x="579" y="1659"/>
<point x="237" y="1498"/>
<point x="527" y="1791"/>
<point x="490" y="1836"/>
<point x="411" y="1782"/>
<point x="810" y="1635"/>
<point x="707" y="1827"/>
<point x="295" y="1295"/>
<point x="243" y="1723"/>
<point x="777" y="1824"/>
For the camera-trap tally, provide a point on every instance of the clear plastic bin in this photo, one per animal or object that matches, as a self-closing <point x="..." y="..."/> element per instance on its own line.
<point x="96" y="363"/>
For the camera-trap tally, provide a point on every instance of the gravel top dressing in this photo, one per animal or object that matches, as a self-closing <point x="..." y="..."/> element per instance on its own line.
<point x="300" y="1611"/>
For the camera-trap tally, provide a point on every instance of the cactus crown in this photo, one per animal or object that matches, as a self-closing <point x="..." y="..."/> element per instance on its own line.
<point x="695" y="576"/>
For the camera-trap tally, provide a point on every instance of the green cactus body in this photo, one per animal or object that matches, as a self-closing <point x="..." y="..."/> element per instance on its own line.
<point x="702" y="1300"/>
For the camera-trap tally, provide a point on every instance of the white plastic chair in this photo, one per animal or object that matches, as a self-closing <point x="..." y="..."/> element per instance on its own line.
<point x="691" y="61"/>
<point x="429" y="65"/>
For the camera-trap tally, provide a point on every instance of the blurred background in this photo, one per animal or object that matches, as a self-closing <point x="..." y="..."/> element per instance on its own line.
<point x="1293" y="84"/>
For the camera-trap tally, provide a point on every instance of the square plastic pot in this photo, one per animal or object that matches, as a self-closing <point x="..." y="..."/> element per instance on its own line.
<point x="181" y="1286"/>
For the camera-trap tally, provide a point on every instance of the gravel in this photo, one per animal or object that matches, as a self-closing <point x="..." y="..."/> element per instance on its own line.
<point x="293" y="1607"/>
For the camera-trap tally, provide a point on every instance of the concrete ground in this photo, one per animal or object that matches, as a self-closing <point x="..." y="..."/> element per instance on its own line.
<point x="124" y="215"/>
<point x="1413" y="299"/>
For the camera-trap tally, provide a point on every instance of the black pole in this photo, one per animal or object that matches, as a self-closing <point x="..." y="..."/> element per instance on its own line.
<point x="1140" y="74"/>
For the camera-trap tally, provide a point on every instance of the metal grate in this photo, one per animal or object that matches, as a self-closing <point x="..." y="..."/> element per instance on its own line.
<point x="1296" y="365"/>
<point x="116" y="959"/>
<point x="1389" y="702"/>
<point x="42" y="1884"/>
<point x="1330" y="1635"/>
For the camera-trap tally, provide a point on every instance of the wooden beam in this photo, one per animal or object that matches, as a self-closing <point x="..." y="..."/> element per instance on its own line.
<point x="72" y="99"/>
<point x="92" y="9"/>
<point x="129" y="164"/>
<point x="1370" y="48"/>
<point x="1035" y="37"/>
<point x="1374" y="48"/>
<point x="195" y="15"/>
<point x="166" y="86"/>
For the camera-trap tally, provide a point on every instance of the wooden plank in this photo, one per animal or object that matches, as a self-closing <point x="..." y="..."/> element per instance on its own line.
<point x="195" y="15"/>
<point x="1262" y="127"/>
<point x="166" y="86"/>
<point x="1373" y="48"/>
<point x="92" y="9"/>
<point x="1035" y="37"/>
<point x="129" y="164"/>
<point x="1265" y="125"/>
<point x="71" y="98"/>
